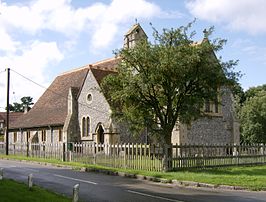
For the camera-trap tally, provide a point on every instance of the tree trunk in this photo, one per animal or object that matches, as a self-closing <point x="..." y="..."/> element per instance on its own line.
<point x="167" y="152"/>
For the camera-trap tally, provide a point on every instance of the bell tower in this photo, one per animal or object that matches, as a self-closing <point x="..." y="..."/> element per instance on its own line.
<point x="135" y="34"/>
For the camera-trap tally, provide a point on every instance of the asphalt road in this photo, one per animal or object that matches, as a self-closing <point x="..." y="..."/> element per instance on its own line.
<point x="100" y="187"/>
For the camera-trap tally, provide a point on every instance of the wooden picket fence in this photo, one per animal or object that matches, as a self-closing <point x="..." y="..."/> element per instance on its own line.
<point x="144" y="156"/>
<point x="203" y="156"/>
<point x="128" y="156"/>
<point x="38" y="150"/>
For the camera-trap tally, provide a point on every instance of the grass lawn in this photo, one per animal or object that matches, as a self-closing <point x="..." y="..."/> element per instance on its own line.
<point x="252" y="177"/>
<point x="15" y="191"/>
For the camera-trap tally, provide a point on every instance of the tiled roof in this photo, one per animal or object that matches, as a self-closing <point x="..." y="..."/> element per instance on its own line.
<point x="51" y="108"/>
<point x="12" y="116"/>
<point x="104" y="68"/>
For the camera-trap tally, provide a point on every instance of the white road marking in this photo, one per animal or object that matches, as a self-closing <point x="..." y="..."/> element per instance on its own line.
<point x="152" y="196"/>
<point x="32" y="170"/>
<point x="2" y="166"/>
<point x="79" y="180"/>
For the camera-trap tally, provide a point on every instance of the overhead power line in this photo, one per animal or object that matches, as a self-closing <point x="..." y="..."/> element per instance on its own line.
<point x="29" y="79"/>
<point x="2" y="71"/>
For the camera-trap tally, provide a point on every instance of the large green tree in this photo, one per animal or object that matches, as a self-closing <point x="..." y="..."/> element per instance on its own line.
<point x="26" y="101"/>
<point x="160" y="83"/>
<point x="253" y="116"/>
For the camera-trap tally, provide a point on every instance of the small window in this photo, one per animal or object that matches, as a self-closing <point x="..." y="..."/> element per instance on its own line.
<point x="15" y="137"/>
<point x="212" y="107"/>
<point x="43" y="135"/>
<point x="83" y="125"/>
<point x="28" y="136"/>
<point x="60" y="135"/>
<point x="88" y="124"/>
<point x="89" y="97"/>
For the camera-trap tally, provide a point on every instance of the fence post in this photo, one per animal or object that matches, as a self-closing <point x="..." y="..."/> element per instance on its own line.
<point x="261" y="149"/>
<point x="30" y="181"/>
<point x="28" y="149"/>
<point x="64" y="151"/>
<point x="166" y="158"/>
<point x="94" y="153"/>
<point x="1" y="173"/>
<point x="125" y="153"/>
<point x="70" y="150"/>
<point x="76" y="193"/>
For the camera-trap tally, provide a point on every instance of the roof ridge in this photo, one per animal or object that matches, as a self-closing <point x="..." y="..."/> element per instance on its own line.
<point x="75" y="70"/>
<point x="89" y="66"/>
<point x="103" y="68"/>
<point x="103" y="61"/>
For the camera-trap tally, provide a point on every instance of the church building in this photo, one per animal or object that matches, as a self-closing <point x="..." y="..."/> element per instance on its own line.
<point x="73" y="109"/>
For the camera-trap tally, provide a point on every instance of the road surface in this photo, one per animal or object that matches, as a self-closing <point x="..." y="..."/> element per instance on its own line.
<point x="100" y="187"/>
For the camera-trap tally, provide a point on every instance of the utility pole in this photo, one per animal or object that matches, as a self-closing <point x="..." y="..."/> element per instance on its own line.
<point x="7" y="110"/>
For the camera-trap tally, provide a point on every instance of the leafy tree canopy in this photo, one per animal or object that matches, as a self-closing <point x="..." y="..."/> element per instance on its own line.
<point x="19" y="107"/>
<point x="254" y="91"/>
<point x="160" y="83"/>
<point x="253" y="116"/>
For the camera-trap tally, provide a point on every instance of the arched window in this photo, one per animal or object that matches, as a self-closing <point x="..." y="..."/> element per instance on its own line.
<point x="88" y="124"/>
<point x="83" y="124"/>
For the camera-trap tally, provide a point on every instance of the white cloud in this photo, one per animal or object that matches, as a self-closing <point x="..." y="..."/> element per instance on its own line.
<point x="31" y="32"/>
<point x="245" y="15"/>
<point x="61" y="16"/>
<point x="7" y="43"/>
<point x="118" y="12"/>
<point x="32" y="63"/>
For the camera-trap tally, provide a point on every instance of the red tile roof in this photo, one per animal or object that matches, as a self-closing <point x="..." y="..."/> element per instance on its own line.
<point x="51" y="108"/>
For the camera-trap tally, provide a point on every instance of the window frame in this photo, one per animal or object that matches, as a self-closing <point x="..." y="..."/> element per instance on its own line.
<point x="15" y="137"/>
<point x="60" y="135"/>
<point x="85" y="126"/>
<point x="43" y="137"/>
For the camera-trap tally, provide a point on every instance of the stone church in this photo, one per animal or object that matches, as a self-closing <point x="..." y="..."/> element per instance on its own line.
<point x="73" y="109"/>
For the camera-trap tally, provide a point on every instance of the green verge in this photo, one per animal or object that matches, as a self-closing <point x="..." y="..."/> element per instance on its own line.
<point x="252" y="177"/>
<point x="16" y="191"/>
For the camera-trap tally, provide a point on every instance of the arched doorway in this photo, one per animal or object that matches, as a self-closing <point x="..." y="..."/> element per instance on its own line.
<point x="100" y="134"/>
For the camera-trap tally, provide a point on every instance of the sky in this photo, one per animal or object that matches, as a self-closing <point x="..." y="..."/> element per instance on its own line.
<point x="40" y="39"/>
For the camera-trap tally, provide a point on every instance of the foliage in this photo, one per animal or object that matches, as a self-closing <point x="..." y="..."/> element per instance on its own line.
<point x="253" y="116"/>
<point x="239" y="98"/>
<point x="19" y="107"/>
<point x="254" y="91"/>
<point x="160" y="83"/>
